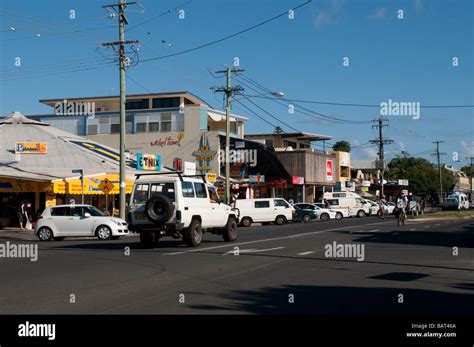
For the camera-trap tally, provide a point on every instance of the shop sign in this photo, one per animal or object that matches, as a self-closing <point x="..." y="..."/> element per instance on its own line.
<point x="168" y="141"/>
<point x="329" y="170"/>
<point x="403" y="182"/>
<point x="211" y="177"/>
<point x="204" y="155"/>
<point x="257" y="178"/>
<point x="149" y="162"/>
<point x="31" y="147"/>
<point x="297" y="180"/>
<point x="189" y="168"/>
<point x="277" y="183"/>
<point x="365" y="183"/>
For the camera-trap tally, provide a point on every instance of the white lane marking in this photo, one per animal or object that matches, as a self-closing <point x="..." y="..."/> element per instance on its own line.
<point x="437" y="224"/>
<point x="306" y="253"/>
<point x="253" y="250"/>
<point x="373" y="231"/>
<point x="271" y="239"/>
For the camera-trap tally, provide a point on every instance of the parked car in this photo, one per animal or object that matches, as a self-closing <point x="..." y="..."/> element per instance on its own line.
<point x="389" y="207"/>
<point x="180" y="206"/>
<point x="324" y="214"/>
<point x="456" y="201"/>
<point x="340" y="212"/>
<point x="471" y="204"/>
<point x="305" y="214"/>
<point x="264" y="210"/>
<point x="58" y="222"/>
<point x="374" y="207"/>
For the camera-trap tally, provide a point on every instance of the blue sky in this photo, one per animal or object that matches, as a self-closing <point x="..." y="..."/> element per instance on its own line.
<point x="407" y="59"/>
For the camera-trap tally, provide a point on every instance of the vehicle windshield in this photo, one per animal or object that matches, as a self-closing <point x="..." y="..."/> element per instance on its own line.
<point x="94" y="211"/>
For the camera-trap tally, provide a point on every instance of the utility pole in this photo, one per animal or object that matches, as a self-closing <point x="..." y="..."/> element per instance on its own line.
<point x="229" y="91"/>
<point x="439" y="170"/>
<point x="470" y="176"/>
<point x="123" y="62"/>
<point x="380" y="123"/>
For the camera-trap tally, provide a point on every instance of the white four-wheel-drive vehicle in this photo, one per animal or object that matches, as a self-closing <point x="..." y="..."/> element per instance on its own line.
<point x="180" y="206"/>
<point x="58" y="222"/>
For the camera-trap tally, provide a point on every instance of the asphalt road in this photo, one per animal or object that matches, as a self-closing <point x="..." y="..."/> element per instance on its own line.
<point x="280" y="269"/>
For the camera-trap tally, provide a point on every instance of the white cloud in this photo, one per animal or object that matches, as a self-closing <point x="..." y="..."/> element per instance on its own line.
<point x="329" y="15"/>
<point x="322" y="18"/>
<point x="467" y="147"/>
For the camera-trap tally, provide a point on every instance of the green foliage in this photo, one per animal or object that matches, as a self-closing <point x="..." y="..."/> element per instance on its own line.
<point x="342" y="146"/>
<point x="422" y="176"/>
<point x="278" y="130"/>
<point x="467" y="169"/>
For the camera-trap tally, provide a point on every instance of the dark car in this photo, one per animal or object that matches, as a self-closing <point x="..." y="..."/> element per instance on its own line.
<point x="304" y="215"/>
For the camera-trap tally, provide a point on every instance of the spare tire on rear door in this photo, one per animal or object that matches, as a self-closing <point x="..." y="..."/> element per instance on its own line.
<point x="159" y="209"/>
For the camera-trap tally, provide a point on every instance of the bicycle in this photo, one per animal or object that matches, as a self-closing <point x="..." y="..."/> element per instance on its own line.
<point x="401" y="217"/>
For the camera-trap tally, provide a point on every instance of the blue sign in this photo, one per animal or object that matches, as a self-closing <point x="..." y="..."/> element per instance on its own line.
<point x="150" y="162"/>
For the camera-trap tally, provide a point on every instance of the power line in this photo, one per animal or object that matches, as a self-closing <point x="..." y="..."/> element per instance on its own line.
<point x="228" y="36"/>
<point x="158" y="16"/>
<point x="364" y="105"/>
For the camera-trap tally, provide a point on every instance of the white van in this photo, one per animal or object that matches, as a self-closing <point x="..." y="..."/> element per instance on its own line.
<point x="275" y="210"/>
<point x="349" y="201"/>
<point x="458" y="201"/>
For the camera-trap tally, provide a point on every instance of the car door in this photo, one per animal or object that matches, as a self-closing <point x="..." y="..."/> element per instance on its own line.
<point x="281" y="207"/>
<point x="218" y="209"/>
<point x="79" y="224"/>
<point x="59" y="220"/>
<point x="202" y="204"/>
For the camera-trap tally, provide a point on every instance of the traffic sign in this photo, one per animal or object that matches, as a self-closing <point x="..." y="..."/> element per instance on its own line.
<point x="106" y="186"/>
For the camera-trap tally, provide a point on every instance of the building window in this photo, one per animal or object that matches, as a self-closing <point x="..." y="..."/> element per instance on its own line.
<point x="188" y="102"/>
<point x="154" y="126"/>
<point x="92" y="129"/>
<point x="289" y="144"/>
<point x="165" y="102"/>
<point x="165" y="126"/>
<point x="139" y="104"/>
<point x="141" y="127"/>
<point x="114" y="128"/>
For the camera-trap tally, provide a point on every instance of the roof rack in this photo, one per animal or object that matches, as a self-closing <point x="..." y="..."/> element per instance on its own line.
<point x="171" y="172"/>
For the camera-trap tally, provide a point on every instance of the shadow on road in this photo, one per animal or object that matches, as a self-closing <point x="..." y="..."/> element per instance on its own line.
<point x="338" y="300"/>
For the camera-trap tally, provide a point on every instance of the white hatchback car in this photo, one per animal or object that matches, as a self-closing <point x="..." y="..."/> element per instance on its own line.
<point x="58" y="222"/>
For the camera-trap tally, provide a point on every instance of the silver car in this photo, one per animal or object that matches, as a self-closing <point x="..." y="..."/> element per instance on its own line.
<point x="58" y="222"/>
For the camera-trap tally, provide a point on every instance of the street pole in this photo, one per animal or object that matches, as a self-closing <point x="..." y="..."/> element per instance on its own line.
<point x="122" y="108"/>
<point x="120" y="8"/>
<point x="82" y="185"/>
<point x="229" y="91"/>
<point x="439" y="170"/>
<point x="227" y="137"/>
<point x="380" y="141"/>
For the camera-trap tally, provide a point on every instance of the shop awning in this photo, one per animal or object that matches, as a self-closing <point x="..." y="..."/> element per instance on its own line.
<point x="91" y="185"/>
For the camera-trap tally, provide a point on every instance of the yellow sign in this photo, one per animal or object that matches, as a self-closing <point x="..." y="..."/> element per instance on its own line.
<point x="11" y="185"/>
<point x="106" y="186"/>
<point x="30" y="147"/>
<point x="91" y="185"/>
<point x="211" y="177"/>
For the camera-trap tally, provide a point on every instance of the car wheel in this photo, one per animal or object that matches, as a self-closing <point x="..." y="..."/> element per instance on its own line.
<point x="103" y="232"/>
<point x="193" y="234"/>
<point x="246" y="222"/>
<point x="325" y="217"/>
<point x="306" y="218"/>
<point x="361" y="213"/>
<point x="230" y="231"/>
<point x="58" y="238"/>
<point x="280" y="220"/>
<point x="339" y="216"/>
<point x="45" y="234"/>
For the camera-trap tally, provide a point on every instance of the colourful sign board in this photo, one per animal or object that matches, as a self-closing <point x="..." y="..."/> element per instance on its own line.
<point x="149" y="162"/>
<point x="257" y="178"/>
<point x="211" y="177"/>
<point x="204" y="155"/>
<point x="31" y="147"/>
<point x="329" y="170"/>
<point x="297" y="180"/>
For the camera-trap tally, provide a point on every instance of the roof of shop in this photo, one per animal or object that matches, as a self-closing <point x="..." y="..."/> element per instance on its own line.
<point x="61" y="158"/>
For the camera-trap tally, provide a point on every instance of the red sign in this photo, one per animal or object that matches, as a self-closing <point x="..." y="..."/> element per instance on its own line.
<point x="329" y="170"/>
<point x="276" y="183"/>
<point x="297" y="180"/>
